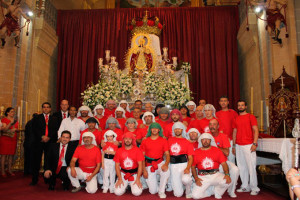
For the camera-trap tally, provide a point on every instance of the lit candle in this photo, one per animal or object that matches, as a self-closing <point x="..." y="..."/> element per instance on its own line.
<point x="107" y="54"/>
<point x="18" y="113"/>
<point x="174" y="61"/>
<point x="100" y="62"/>
<point x="267" y="111"/>
<point x="39" y="101"/>
<point x="21" y="114"/>
<point x="251" y="106"/>
<point x="165" y="50"/>
<point x="113" y="60"/>
<point x="261" y="114"/>
<point x="26" y="111"/>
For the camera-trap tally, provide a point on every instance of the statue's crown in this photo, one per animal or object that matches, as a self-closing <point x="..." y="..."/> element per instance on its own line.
<point x="148" y="25"/>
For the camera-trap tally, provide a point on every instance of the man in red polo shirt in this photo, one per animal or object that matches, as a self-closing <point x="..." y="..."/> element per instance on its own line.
<point x="155" y="147"/>
<point x="209" y="112"/>
<point x="245" y="136"/>
<point x="89" y="159"/>
<point x="148" y="118"/>
<point x="207" y="160"/>
<point x="129" y="166"/>
<point x="226" y="118"/>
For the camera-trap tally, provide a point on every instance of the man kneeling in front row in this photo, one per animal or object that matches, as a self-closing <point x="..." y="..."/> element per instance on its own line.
<point x="129" y="165"/>
<point x="207" y="160"/>
<point x="89" y="159"/>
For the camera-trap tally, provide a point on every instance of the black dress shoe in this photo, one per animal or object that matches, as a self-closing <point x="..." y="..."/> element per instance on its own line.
<point x="51" y="187"/>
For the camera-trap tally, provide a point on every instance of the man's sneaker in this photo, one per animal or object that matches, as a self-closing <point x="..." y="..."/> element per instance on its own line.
<point x="74" y="190"/>
<point x="105" y="190"/>
<point x="254" y="192"/>
<point x="162" y="195"/>
<point x="243" y="190"/>
<point x="232" y="195"/>
<point x="217" y="196"/>
<point x="169" y="189"/>
<point x="188" y="196"/>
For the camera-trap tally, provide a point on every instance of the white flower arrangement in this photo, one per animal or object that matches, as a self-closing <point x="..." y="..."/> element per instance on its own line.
<point x="186" y="66"/>
<point x="151" y="83"/>
<point x="100" y="93"/>
<point x="173" y="93"/>
<point x="126" y="85"/>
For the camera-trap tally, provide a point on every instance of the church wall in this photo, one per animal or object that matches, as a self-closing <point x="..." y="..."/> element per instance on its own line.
<point x="25" y="70"/>
<point x="260" y="59"/>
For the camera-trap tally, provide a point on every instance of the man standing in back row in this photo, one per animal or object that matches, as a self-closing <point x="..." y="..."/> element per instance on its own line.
<point x="245" y="136"/>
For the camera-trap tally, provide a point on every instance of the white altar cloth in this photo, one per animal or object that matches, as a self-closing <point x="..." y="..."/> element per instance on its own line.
<point x="284" y="147"/>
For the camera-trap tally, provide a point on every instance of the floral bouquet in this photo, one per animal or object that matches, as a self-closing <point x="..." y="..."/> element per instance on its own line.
<point x="126" y="85"/>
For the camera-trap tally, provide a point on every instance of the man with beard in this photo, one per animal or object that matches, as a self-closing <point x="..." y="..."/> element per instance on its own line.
<point x="226" y="118"/>
<point x="193" y="135"/>
<point x="89" y="159"/>
<point x="91" y="123"/>
<point x="207" y="160"/>
<point x="120" y="116"/>
<point x="245" y="136"/>
<point x="175" y="116"/>
<point x="110" y="108"/>
<point x="129" y="166"/>
<point x="223" y="143"/>
<point x="163" y="117"/>
<point x="84" y="112"/>
<point x="181" y="160"/>
<point x="72" y="124"/>
<point x="148" y="118"/>
<point x="155" y="147"/>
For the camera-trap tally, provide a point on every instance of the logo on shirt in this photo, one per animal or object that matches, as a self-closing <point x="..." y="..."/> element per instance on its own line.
<point x="207" y="163"/>
<point x="175" y="148"/>
<point x="128" y="163"/>
<point x="206" y="130"/>
<point x="110" y="149"/>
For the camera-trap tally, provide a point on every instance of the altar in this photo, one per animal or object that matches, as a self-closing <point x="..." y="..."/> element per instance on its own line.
<point x="149" y="74"/>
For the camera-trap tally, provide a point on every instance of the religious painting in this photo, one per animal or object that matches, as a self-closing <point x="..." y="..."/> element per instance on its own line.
<point x="152" y="3"/>
<point x="298" y="72"/>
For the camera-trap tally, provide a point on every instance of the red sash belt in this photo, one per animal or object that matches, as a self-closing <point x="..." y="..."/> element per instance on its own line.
<point x="154" y="164"/>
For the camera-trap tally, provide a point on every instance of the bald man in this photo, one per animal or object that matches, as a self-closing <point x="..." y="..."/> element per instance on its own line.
<point x="63" y="113"/>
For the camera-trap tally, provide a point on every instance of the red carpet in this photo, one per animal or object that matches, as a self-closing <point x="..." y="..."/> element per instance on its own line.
<point x="17" y="187"/>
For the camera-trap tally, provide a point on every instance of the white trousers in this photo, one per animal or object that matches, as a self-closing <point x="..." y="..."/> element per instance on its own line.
<point x="135" y="190"/>
<point x="231" y="157"/>
<point x="152" y="179"/>
<point x="100" y="176"/>
<point x="234" y="175"/>
<point x="91" y="186"/>
<point x="109" y="175"/>
<point x="217" y="180"/>
<point x="246" y="162"/>
<point x="179" y="179"/>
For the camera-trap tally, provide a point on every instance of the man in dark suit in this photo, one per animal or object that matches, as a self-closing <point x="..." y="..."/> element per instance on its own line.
<point x="63" y="112"/>
<point x="28" y="150"/>
<point x="58" y="159"/>
<point x="44" y="131"/>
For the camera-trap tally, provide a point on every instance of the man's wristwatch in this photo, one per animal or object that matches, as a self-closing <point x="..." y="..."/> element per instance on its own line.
<point x="255" y="144"/>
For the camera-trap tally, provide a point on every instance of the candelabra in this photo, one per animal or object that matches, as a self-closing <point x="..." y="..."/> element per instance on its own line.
<point x="165" y="65"/>
<point x="109" y="70"/>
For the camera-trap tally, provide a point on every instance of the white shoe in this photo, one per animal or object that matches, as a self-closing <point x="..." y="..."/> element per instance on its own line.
<point x="188" y="196"/>
<point x="217" y="196"/>
<point x="105" y="190"/>
<point x="162" y="195"/>
<point x="243" y="190"/>
<point x="254" y="192"/>
<point x="169" y="189"/>
<point x="232" y="195"/>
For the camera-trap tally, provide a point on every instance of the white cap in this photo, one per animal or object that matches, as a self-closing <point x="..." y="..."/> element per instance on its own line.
<point x="84" y="108"/>
<point x="191" y="103"/>
<point x="148" y="114"/>
<point x="89" y="134"/>
<point x="99" y="106"/>
<point x="110" y="133"/>
<point x="120" y="109"/>
<point x="206" y="136"/>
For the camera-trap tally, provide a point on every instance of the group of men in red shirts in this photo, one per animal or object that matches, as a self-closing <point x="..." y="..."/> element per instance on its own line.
<point x="192" y="149"/>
